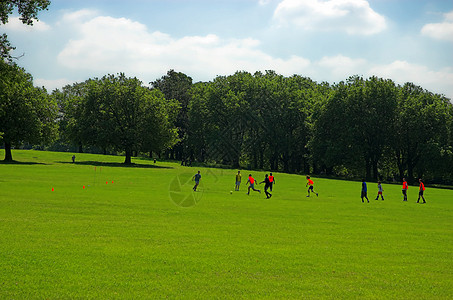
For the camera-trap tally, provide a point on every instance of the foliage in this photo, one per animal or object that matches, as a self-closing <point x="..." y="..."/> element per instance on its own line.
<point x="121" y="113"/>
<point x="71" y="103"/>
<point x="27" y="113"/>
<point x="176" y="86"/>
<point x="28" y="11"/>
<point x="367" y="128"/>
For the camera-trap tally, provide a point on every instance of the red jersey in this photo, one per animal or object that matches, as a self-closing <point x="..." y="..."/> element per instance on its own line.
<point x="252" y="181"/>
<point x="310" y="182"/>
<point x="422" y="186"/>
<point x="405" y="185"/>
<point x="271" y="178"/>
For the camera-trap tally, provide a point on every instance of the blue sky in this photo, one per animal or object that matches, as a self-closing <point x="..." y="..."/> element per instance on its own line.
<point x="326" y="40"/>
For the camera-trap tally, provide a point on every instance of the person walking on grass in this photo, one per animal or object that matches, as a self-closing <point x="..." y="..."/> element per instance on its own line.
<point x="310" y="186"/>
<point x="238" y="180"/>
<point x="251" y="181"/>
<point x="266" y="186"/>
<point x="380" y="190"/>
<point x="404" y="189"/>
<point x="271" y="180"/>
<point x="197" y="178"/>
<point x="364" y="191"/>
<point x="420" y="191"/>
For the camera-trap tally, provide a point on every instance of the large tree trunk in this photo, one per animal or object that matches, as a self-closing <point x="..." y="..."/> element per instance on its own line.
<point x="375" y="170"/>
<point x="235" y="162"/>
<point x="285" y="163"/>
<point x="399" y="163"/>
<point x="306" y="166"/>
<point x="410" y="172"/>
<point x="128" y="157"/>
<point x="367" y="169"/>
<point x="8" y="155"/>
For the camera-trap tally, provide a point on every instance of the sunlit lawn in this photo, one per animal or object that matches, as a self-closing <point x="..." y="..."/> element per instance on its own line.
<point x="135" y="232"/>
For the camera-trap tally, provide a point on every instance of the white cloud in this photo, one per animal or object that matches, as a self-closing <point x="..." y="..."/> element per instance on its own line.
<point x="112" y="45"/>
<point x="341" y="67"/>
<point x="15" y="24"/>
<point x="437" y="81"/>
<point x="338" y="68"/>
<point x="51" y="85"/>
<point x="78" y="16"/>
<point x="354" y="17"/>
<point x="440" y="31"/>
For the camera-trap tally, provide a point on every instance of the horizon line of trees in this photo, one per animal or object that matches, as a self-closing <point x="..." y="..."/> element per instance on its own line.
<point x="371" y="128"/>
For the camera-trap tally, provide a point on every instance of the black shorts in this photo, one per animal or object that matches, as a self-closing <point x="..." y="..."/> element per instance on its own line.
<point x="404" y="192"/>
<point x="364" y="194"/>
<point x="420" y="192"/>
<point x="310" y="187"/>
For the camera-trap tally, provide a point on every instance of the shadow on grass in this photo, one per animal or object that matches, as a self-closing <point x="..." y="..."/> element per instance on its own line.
<point x="114" y="164"/>
<point x="15" y="162"/>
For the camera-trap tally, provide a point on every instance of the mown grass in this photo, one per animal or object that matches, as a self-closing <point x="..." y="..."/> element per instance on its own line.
<point x="133" y="239"/>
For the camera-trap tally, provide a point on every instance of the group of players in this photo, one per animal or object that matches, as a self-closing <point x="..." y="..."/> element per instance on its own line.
<point x="269" y="182"/>
<point x="421" y="190"/>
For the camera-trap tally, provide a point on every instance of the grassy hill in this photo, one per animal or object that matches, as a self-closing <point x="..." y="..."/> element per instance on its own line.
<point x="110" y="231"/>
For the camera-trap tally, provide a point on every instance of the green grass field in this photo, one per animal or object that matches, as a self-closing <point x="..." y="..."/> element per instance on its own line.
<point x="147" y="236"/>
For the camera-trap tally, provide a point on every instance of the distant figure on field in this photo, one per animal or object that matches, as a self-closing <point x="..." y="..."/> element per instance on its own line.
<point x="405" y="189"/>
<point x="271" y="180"/>
<point x="310" y="186"/>
<point x="380" y="190"/>
<point x="154" y="160"/>
<point x="421" y="190"/>
<point x="182" y="162"/>
<point x="197" y="178"/>
<point x="238" y="180"/>
<point x="251" y="180"/>
<point x="266" y="186"/>
<point x="364" y="191"/>
<point x="73" y="159"/>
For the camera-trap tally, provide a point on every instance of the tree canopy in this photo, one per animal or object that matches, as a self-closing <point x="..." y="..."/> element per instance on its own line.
<point x="118" y="112"/>
<point x="28" y="13"/>
<point x="27" y="113"/>
<point x="360" y="127"/>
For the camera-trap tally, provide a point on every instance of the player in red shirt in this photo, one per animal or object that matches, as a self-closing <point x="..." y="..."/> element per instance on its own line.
<point x="271" y="180"/>
<point x="310" y="186"/>
<point x="251" y="180"/>
<point x="405" y="189"/>
<point x="421" y="190"/>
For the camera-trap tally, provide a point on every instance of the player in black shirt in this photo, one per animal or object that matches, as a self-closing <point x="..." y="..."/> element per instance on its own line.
<point x="267" y="185"/>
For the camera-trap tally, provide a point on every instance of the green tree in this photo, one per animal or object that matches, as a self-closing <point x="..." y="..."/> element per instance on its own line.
<point x="356" y="125"/>
<point x="127" y="116"/>
<point x="27" y="113"/>
<point x="176" y="86"/>
<point x="71" y="102"/>
<point x="372" y="116"/>
<point x="197" y="121"/>
<point x="421" y="129"/>
<point x="28" y="11"/>
<point x="331" y="142"/>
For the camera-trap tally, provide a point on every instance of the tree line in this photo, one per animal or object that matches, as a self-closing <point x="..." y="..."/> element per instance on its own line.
<point x="370" y="128"/>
